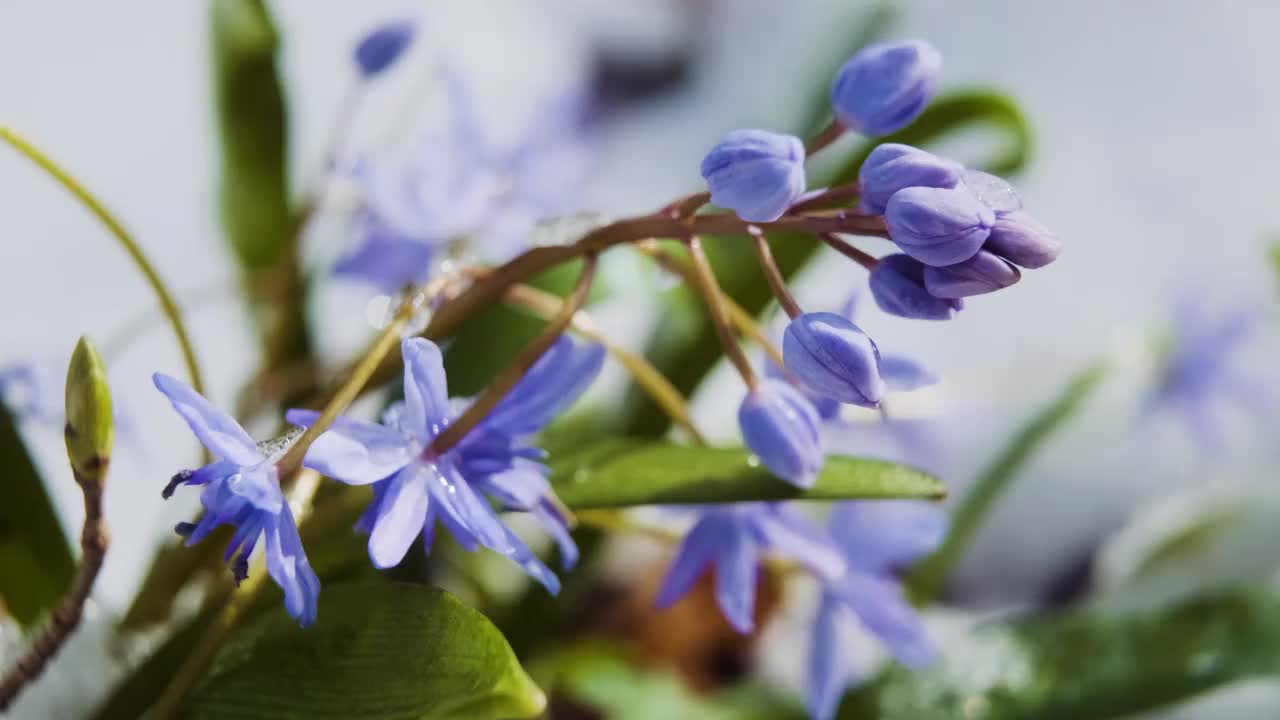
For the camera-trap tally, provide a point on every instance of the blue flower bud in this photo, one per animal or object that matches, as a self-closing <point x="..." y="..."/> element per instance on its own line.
<point x="993" y="191"/>
<point x="892" y="166"/>
<point x="1022" y="240"/>
<point x="755" y="173"/>
<point x="980" y="274"/>
<point x="883" y="87"/>
<point x="781" y="427"/>
<point x="383" y="46"/>
<point x="834" y="358"/>
<point x="938" y="226"/>
<point x="897" y="284"/>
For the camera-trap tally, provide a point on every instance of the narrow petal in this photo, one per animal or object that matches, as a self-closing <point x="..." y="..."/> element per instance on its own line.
<point x="216" y="430"/>
<point x="457" y="502"/>
<point x="288" y="566"/>
<point x="888" y="535"/>
<point x="401" y="514"/>
<point x="558" y="528"/>
<point x="692" y="557"/>
<point x="879" y="604"/>
<point x="737" y="564"/>
<point x="385" y="260"/>
<point x="426" y="392"/>
<point x="902" y="374"/>
<point x="789" y="533"/>
<point x="353" y="451"/>
<point x="554" y="383"/>
<point x="827" y="673"/>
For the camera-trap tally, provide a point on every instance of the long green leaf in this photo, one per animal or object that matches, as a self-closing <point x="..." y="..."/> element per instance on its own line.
<point x="684" y="346"/>
<point x="379" y="650"/>
<point x="36" y="564"/>
<point x="1085" y="664"/>
<point x="928" y="576"/>
<point x="623" y="473"/>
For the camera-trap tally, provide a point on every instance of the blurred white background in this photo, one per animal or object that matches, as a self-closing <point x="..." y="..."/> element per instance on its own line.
<point x="1155" y="125"/>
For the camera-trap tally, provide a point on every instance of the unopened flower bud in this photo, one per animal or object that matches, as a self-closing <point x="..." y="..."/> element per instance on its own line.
<point x="755" y="173"/>
<point x="383" y="46"/>
<point x="781" y="427"/>
<point x="938" y="226"/>
<point x="893" y="166"/>
<point x="980" y="274"/>
<point x="885" y="86"/>
<point x="1022" y="240"/>
<point x="897" y="284"/>
<point x="834" y="358"/>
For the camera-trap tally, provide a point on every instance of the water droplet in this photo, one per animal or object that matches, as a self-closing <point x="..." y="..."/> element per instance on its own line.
<point x="993" y="191"/>
<point x="753" y="461"/>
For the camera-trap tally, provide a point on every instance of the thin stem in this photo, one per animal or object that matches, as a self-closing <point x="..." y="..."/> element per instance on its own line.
<point x="831" y="196"/>
<point x="93" y="548"/>
<point x="705" y="283"/>
<point x="777" y="283"/>
<point x="95" y="206"/>
<point x="843" y="247"/>
<point x="508" y="378"/>
<point x="355" y="380"/>
<point x="548" y="306"/>
<point x="825" y="137"/>
<point x="741" y="320"/>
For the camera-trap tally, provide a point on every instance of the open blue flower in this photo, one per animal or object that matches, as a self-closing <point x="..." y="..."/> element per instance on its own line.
<point x="241" y="488"/>
<point x="734" y="539"/>
<point x="414" y="488"/>
<point x="876" y="539"/>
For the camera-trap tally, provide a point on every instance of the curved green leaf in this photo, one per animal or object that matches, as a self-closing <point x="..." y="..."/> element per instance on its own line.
<point x="379" y="650"/>
<point x="35" y="559"/>
<point x="1085" y="664"/>
<point x="623" y="473"/>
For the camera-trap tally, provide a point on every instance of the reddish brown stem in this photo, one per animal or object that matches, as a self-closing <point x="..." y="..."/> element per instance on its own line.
<point x="777" y="283"/>
<point x="707" y="287"/>
<point x="825" y="137"/>
<point x="843" y="247"/>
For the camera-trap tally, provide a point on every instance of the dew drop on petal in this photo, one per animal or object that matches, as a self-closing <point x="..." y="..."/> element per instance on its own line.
<point x="993" y="191"/>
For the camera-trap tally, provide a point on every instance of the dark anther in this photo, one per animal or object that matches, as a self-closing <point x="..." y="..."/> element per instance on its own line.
<point x="240" y="568"/>
<point x="184" y="528"/>
<point x="174" y="482"/>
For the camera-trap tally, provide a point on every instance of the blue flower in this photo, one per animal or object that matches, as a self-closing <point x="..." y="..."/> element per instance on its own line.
<point x="834" y="358"/>
<point x="781" y="427"/>
<point x="413" y="489"/>
<point x="1198" y="375"/>
<point x="455" y="183"/>
<point x="383" y="46"/>
<point x="734" y="539"/>
<point x="241" y="488"/>
<point x="876" y="539"/>
<point x="1022" y="240"/>
<point x="938" y="226"/>
<point x="897" y="284"/>
<point x="885" y="86"/>
<point x="892" y="166"/>
<point x="33" y="391"/>
<point x="755" y="173"/>
<point x="983" y="273"/>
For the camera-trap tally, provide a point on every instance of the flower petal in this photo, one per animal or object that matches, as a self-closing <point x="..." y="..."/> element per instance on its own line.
<point x="216" y="430"/>
<point x="888" y="535"/>
<point x="288" y="566"/>
<point x="400" y="518"/>
<point x="426" y="391"/>
<point x="827" y="673"/>
<point x="353" y="451"/>
<point x="737" y="564"/>
<point x="903" y="374"/>
<point x="554" y="383"/>
<point x="880" y="606"/>
<point x="692" y="557"/>
<point x="788" y="532"/>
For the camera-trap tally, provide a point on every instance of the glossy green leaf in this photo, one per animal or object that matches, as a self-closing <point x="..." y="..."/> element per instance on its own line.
<point x="624" y="473"/>
<point x="684" y="346"/>
<point x="36" y="564"/>
<point x="928" y="576"/>
<point x="1085" y="664"/>
<point x="379" y="650"/>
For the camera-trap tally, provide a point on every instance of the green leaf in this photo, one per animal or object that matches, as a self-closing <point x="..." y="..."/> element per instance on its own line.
<point x="928" y="576"/>
<point x="621" y="473"/>
<point x="684" y="346"/>
<point x="1085" y="664"/>
<point x="379" y="650"/>
<point x="36" y="564"/>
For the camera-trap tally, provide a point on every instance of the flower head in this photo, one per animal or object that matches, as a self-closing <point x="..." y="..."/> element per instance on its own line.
<point x="897" y="284"/>
<point x="885" y="86"/>
<point x="241" y="488"/>
<point x="781" y="427"/>
<point x="980" y="274"/>
<point x="383" y="46"/>
<point x="413" y="488"/>
<point x="733" y="539"/>
<point x="755" y="173"/>
<point x="938" y="226"/>
<point x="892" y="166"/>
<point x="877" y="539"/>
<point x="833" y="357"/>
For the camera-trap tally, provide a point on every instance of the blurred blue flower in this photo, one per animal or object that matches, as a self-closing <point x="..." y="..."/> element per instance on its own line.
<point x="456" y="183"/>
<point x="755" y="173"/>
<point x="34" y="391"/>
<point x="1198" y="375"/>
<point x="877" y="540"/>
<point x="385" y="44"/>
<point x="413" y="489"/>
<point x="734" y="539"/>
<point x="241" y="488"/>
<point x="782" y="428"/>
<point x="885" y="86"/>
